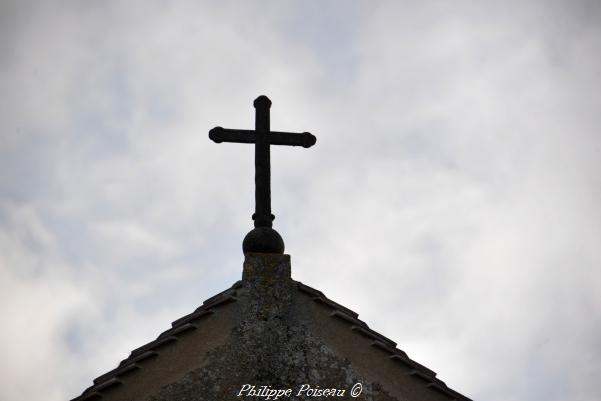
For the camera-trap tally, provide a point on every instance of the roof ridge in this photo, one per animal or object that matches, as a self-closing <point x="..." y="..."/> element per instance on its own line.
<point x="182" y="325"/>
<point x="111" y="379"/>
<point x="381" y="342"/>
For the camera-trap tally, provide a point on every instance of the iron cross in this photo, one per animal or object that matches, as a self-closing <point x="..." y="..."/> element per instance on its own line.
<point x="257" y="240"/>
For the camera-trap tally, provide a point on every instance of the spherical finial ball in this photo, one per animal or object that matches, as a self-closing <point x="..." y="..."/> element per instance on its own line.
<point x="263" y="240"/>
<point x="262" y="101"/>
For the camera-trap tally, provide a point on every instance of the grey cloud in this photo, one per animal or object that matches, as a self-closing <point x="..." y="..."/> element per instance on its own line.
<point x="451" y="199"/>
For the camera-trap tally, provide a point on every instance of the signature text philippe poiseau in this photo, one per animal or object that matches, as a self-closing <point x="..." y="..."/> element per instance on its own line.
<point x="305" y="390"/>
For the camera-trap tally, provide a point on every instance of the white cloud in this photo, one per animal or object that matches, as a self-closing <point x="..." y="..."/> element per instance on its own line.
<point x="451" y="199"/>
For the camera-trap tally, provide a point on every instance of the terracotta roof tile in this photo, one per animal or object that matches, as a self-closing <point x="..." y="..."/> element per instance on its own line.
<point x="383" y="343"/>
<point x="149" y="350"/>
<point x="191" y="317"/>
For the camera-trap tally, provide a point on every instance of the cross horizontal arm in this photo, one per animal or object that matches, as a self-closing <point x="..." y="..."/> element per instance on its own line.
<point x="305" y="139"/>
<point x="219" y="134"/>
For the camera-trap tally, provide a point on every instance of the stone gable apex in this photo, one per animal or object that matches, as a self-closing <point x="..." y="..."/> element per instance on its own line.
<point x="268" y="330"/>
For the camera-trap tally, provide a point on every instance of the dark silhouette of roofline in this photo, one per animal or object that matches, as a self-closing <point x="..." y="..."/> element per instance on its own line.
<point x="111" y="379"/>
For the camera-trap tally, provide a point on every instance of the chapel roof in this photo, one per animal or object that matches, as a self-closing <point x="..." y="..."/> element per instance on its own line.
<point x="151" y="352"/>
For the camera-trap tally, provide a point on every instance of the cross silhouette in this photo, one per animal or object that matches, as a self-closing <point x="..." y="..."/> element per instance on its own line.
<point x="263" y="238"/>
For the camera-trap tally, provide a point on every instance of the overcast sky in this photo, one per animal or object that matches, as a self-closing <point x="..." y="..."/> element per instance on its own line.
<point x="452" y="198"/>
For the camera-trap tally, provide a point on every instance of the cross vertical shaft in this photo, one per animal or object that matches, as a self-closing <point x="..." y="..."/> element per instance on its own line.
<point x="262" y="216"/>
